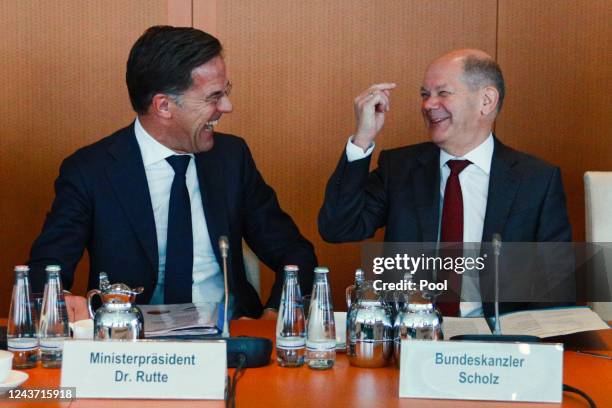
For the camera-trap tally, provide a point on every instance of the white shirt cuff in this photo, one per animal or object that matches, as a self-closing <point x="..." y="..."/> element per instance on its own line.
<point x="354" y="152"/>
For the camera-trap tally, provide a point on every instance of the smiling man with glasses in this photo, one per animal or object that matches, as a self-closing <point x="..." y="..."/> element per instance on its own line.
<point x="150" y="201"/>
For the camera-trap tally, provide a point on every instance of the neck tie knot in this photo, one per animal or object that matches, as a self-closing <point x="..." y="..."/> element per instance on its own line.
<point x="457" y="166"/>
<point x="179" y="163"/>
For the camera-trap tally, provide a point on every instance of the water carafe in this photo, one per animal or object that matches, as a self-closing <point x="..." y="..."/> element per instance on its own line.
<point x="369" y="337"/>
<point x="418" y="319"/>
<point x="118" y="318"/>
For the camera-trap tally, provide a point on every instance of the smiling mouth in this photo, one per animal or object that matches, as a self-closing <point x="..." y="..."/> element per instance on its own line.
<point x="211" y="124"/>
<point x="437" y="121"/>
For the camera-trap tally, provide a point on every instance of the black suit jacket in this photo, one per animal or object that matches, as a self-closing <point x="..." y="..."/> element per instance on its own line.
<point x="526" y="201"/>
<point x="103" y="204"/>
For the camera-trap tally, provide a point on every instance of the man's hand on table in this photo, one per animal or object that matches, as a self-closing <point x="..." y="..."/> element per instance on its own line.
<point x="76" y="307"/>
<point x="268" y="314"/>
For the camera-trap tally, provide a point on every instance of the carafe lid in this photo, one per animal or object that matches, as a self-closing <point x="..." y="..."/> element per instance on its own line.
<point x="120" y="293"/>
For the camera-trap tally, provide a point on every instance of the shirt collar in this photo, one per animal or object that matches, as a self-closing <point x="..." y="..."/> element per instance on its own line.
<point x="151" y="150"/>
<point x="481" y="156"/>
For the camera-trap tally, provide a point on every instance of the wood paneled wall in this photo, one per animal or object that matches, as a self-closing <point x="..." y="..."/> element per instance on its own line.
<point x="557" y="62"/>
<point x="296" y="67"/>
<point x="63" y="80"/>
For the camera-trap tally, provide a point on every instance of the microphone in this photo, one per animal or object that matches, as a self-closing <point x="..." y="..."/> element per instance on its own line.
<point x="241" y="351"/>
<point x="497" y="244"/>
<point x="496" y="335"/>
<point x="224" y="249"/>
<point x="496" y="241"/>
<point x="223" y="246"/>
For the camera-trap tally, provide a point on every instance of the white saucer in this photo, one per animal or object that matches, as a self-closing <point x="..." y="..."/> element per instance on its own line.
<point x="14" y="380"/>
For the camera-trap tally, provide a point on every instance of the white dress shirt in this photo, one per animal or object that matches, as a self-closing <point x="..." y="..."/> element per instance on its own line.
<point x="207" y="276"/>
<point x="474" y="180"/>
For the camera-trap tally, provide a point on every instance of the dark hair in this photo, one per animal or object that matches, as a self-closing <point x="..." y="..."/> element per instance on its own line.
<point x="479" y="72"/>
<point x="162" y="59"/>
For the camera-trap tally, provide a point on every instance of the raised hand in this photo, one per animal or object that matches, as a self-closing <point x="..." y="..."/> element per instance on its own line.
<point x="370" y="107"/>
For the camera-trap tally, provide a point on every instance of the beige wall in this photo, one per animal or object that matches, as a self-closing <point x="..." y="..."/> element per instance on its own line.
<point x="557" y="59"/>
<point x="296" y="67"/>
<point x="63" y="70"/>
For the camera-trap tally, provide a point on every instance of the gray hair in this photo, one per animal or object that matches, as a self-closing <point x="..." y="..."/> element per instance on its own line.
<point x="479" y="72"/>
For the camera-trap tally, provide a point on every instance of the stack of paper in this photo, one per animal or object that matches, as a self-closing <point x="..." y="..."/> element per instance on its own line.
<point x="185" y="319"/>
<point x="541" y="323"/>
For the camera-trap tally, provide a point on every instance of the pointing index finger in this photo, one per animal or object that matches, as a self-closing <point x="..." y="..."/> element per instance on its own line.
<point x="385" y="86"/>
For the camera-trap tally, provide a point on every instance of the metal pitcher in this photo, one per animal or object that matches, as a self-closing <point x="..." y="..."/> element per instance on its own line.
<point x="118" y="318"/>
<point x="418" y="319"/>
<point x="369" y="329"/>
<point x="351" y="291"/>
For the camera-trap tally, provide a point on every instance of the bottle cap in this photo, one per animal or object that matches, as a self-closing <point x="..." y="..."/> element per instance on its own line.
<point x="291" y="268"/>
<point x="53" y="268"/>
<point x="22" y="268"/>
<point x="321" y="269"/>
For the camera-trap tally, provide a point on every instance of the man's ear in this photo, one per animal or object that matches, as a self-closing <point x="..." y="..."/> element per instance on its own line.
<point x="161" y="106"/>
<point x="490" y="99"/>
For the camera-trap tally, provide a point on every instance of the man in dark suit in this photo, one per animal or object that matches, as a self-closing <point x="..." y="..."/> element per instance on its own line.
<point x="463" y="186"/>
<point x="150" y="201"/>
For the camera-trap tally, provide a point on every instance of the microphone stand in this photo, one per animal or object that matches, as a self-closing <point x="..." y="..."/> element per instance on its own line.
<point x="496" y="333"/>
<point x="242" y="352"/>
<point x="224" y="249"/>
<point x="496" y="251"/>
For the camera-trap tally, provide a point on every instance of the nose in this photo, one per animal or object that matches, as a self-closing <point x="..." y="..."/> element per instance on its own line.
<point x="225" y="105"/>
<point x="429" y="102"/>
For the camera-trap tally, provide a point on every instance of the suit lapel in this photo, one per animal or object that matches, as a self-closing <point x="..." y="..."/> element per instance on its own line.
<point x="503" y="185"/>
<point x="425" y="181"/>
<point x="213" y="190"/>
<point x="129" y="181"/>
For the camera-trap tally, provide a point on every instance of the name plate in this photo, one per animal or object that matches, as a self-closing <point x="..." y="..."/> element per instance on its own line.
<point x="469" y="370"/>
<point x="145" y="369"/>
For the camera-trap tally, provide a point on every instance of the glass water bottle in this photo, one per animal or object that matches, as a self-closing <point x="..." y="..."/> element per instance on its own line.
<point x="290" y="331"/>
<point x="321" y="333"/>
<point x="21" y="336"/>
<point x="54" y="327"/>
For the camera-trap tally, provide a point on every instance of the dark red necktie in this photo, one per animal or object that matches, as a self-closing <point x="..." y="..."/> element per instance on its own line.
<point x="452" y="231"/>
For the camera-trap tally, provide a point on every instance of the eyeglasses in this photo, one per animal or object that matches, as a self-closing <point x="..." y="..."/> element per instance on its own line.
<point x="216" y="97"/>
<point x="212" y="99"/>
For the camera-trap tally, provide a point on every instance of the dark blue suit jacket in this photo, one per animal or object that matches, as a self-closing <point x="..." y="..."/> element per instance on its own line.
<point x="526" y="201"/>
<point x="103" y="204"/>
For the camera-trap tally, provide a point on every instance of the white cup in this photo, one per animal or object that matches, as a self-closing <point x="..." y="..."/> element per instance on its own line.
<point x="6" y="363"/>
<point x="340" y="320"/>
<point x="82" y="329"/>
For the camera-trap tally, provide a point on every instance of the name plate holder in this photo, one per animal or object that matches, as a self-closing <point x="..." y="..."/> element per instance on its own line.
<point x="145" y="369"/>
<point x="471" y="370"/>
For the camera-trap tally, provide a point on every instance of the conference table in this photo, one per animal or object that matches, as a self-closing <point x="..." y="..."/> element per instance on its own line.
<point x="344" y="385"/>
